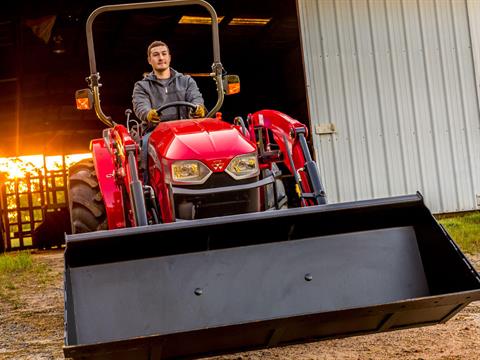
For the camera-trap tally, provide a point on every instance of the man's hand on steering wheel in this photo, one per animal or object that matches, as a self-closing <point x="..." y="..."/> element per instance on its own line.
<point x="199" y="112"/>
<point x="153" y="117"/>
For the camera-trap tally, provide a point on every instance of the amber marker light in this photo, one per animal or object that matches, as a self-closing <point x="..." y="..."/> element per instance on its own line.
<point x="83" y="104"/>
<point x="233" y="88"/>
<point x="84" y="99"/>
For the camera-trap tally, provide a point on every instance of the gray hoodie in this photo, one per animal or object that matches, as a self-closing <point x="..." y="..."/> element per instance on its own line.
<point x="151" y="93"/>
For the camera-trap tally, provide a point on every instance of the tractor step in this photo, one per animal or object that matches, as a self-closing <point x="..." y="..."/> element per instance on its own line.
<point x="242" y="282"/>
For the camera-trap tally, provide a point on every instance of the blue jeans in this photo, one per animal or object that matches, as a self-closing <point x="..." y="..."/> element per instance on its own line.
<point x="144" y="156"/>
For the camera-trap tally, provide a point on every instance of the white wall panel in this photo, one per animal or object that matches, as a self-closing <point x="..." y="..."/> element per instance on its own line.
<point x="397" y="78"/>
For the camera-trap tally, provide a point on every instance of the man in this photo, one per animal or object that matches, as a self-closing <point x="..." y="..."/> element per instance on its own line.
<point x="162" y="86"/>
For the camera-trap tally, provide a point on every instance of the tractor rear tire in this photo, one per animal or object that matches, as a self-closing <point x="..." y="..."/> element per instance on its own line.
<point x="87" y="209"/>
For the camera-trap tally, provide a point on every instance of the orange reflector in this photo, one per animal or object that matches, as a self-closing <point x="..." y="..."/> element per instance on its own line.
<point x="233" y="88"/>
<point x="83" y="104"/>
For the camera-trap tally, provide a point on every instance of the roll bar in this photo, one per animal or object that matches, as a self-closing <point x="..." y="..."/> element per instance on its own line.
<point x="94" y="77"/>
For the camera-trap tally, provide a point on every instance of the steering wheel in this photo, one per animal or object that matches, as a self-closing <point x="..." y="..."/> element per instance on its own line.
<point x="176" y="104"/>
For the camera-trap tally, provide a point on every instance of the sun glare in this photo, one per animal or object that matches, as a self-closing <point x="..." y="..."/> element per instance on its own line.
<point x="35" y="165"/>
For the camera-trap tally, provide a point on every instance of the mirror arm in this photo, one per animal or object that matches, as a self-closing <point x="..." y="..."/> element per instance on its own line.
<point x="217" y="70"/>
<point x="94" y="84"/>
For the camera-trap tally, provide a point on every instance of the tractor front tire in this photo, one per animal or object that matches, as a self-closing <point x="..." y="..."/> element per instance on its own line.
<point x="87" y="209"/>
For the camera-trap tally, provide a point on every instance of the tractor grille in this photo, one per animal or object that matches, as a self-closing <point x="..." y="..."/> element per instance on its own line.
<point x="217" y="204"/>
<point x="217" y="180"/>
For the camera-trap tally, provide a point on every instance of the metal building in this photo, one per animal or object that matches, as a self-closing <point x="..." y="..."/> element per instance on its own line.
<point x="393" y="98"/>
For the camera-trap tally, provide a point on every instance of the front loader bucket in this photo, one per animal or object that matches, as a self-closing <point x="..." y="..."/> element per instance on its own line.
<point x="242" y="282"/>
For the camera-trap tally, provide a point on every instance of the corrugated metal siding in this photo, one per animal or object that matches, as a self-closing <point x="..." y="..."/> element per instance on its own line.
<point x="397" y="79"/>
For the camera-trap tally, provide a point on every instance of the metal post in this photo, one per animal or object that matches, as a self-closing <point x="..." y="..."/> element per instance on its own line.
<point x="312" y="170"/>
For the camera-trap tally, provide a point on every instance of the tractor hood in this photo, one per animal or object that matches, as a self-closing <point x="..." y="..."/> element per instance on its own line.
<point x="205" y="139"/>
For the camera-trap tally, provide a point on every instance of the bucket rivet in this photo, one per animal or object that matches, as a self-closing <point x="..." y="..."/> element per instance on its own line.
<point x="198" y="291"/>
<point x="308" y="277"/>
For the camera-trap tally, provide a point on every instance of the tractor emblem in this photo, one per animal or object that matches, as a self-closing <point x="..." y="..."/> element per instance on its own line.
<point x="217" y="165"/>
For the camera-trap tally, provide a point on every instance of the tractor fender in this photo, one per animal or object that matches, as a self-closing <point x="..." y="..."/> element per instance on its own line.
<point x="110" y="190"/>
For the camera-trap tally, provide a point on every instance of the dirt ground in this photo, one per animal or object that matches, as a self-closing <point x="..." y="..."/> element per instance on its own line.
<point x="31" y="327"/>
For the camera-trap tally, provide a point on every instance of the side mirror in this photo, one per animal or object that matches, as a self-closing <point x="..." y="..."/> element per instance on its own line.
<point x="84" y="99"/>
<point x="231" y="84"/>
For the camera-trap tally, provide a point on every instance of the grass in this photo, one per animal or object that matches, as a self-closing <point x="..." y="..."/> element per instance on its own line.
<point x="14" y="269"/>
<point x="465" y="230"/>
<point x="15" y="262"/>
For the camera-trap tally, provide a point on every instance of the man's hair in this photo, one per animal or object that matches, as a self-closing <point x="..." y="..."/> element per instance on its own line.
<point x="155" y="44"/>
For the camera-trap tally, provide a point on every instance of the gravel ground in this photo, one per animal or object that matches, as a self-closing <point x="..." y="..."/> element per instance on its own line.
<point x="31" y="327"/>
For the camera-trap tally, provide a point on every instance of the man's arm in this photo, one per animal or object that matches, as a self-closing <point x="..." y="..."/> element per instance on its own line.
<point x="141" y="102"/>
<point x="192" y="93"/>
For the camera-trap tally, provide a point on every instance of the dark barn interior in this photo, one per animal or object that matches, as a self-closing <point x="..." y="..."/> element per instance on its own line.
<point x="38" y="77"/>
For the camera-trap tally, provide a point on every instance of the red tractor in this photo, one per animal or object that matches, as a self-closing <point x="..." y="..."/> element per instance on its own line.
<point x="192" y="262"/>
<point x="197" y="168"/>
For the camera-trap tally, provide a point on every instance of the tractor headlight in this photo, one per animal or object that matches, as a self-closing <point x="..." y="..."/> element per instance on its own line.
<point x="190" y="172"/>
<point x="243" y="166"/>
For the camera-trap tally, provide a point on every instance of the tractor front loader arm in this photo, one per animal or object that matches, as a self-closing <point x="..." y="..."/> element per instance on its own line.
<point x="290" y="137"/>
<point x="127" y="150"/>
<point x="123" y="154"/>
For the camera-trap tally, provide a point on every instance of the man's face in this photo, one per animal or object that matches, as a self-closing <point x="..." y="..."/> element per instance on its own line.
<point x="159" y="58"/>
